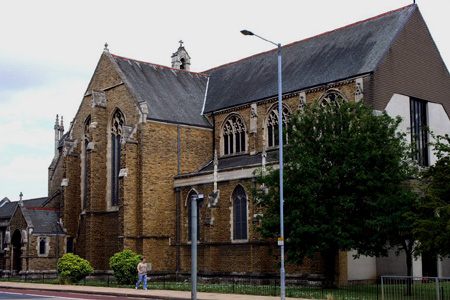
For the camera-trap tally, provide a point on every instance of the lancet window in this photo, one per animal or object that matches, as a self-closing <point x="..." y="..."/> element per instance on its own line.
<point x="116" y="138"/>
<point x="239" y="214"/>
<point x="86" y="164"/>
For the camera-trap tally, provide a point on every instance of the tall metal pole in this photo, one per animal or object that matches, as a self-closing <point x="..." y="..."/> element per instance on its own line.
<point x="194" y="247"/>
<point x="280" y="139"/>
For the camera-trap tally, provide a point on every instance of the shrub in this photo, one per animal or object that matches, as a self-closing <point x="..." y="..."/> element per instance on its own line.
<point x="124" y="266"/>
<point x="73" y="268"/>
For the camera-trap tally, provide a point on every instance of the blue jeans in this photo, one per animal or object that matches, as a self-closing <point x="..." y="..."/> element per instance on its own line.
<point x="144" y="278"/>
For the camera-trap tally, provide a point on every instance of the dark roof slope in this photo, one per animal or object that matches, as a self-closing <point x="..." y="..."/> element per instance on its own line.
<point x="44" y="220"/>
<point x="172" y="95"/>
<point x="336" y="55"/>
<point x="8" y="209"/>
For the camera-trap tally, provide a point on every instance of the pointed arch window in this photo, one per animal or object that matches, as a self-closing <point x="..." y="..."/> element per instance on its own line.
<point x="234" y="135"/>
<point x="116" y="138"/>
<point x="239" y="214"/>
<point x="86" y="163"/>
<point x="190" y="217"/>
<point x="332" y="97"/>
<point x="272" y="126"/>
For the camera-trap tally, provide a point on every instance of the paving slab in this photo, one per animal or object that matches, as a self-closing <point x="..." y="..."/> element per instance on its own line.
<point x="131" y="292"/>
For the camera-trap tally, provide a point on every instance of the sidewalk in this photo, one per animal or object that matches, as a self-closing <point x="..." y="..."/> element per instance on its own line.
<point x="124" y="292"/>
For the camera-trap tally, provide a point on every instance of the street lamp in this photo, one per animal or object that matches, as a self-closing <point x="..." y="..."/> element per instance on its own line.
<point x="196" y="200"/>
<point x="280" y="138"/>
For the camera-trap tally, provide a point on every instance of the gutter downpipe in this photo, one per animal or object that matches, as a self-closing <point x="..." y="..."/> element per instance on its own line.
<point x="178" y="196"/>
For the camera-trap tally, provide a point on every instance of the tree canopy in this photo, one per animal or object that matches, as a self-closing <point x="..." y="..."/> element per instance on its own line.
<point x="344" y="173"/>
<point x="432" y="225"/>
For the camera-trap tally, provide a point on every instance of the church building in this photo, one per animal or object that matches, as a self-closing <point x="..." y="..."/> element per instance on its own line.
<point x="146" y="138"/>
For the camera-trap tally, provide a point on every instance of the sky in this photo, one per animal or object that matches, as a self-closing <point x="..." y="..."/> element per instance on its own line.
<point x="49" y="51"/>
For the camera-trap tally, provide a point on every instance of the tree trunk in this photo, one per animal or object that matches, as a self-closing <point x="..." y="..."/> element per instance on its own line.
<point x="329" y="257"/>
<point x="409" y="263"/>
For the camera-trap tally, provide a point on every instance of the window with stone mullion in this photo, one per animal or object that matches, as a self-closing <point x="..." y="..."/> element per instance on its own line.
<point x="419" y="135"/>
<point x="233" y="136"/>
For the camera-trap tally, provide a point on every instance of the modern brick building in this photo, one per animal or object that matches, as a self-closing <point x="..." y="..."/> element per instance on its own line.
<point x="147" y="137"/>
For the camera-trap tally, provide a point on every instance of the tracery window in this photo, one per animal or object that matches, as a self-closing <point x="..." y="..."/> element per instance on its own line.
<point x="234" y="135"/>
<point x="116" y="138"/>
<point x="272" y="126"/>
<point x="332" y="97"/>
<point x="239" y="214"/>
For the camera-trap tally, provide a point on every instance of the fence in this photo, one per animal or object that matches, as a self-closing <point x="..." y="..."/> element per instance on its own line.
<point x="415" y="288"/>
<point x="296" y="287"/>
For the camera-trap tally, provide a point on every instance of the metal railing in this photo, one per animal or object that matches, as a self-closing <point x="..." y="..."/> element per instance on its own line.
<point x="415" y="288"/>
<point x="296" y="287"/>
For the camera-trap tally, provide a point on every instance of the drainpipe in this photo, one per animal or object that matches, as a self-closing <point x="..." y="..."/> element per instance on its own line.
<point x="214" y="133"/>
<point x="178" y="231"/>
<point x="178" y="191"/>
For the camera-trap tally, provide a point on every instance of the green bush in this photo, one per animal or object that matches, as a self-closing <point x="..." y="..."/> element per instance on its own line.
<point x="73" y="268"/>
<point x="124" y="266"/>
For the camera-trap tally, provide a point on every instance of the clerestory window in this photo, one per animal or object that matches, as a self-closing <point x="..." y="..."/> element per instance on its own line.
<point x="272" y="126"/>
<point x="234" y="135"/>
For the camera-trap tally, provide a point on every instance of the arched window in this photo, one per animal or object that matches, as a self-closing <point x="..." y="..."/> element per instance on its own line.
<point x="116" y="137"/>
<point x="189" y="199"/>
<point x="239" y="214"/>
<point x="332" y="97"/>
<point x="234" y="135"/>
<point x="272" y="126"/>
<point x="86" y="163"/>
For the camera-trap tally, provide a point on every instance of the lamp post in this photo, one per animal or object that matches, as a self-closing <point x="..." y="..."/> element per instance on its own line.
<point x="280" y="139"/>
<point x="196" y="200"/>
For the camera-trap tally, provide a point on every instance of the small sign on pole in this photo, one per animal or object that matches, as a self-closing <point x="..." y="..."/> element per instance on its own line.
<point x="280" y="241"/>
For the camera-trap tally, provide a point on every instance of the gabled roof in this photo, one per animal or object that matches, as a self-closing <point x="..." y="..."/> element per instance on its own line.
<point x="172" y="95"/>
<point x="343" y="53"/>
<point x="43" y="220"/>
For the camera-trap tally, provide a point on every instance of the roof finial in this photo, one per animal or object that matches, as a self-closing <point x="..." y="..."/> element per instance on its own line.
<point x="181" y="43"/>
<point x="106" y="47"/>
<point x="20" y="195"/>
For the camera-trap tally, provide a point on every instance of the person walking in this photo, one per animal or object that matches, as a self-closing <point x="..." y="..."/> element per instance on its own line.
<point x="142" y="270"/>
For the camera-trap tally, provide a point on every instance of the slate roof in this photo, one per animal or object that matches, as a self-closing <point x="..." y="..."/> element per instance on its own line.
<point x="242" y="161"/>
<point x="44" y="220"/>
<point x="172" y="95"/>
<point x="7" y="210"/>
<point x="336" y="55"/>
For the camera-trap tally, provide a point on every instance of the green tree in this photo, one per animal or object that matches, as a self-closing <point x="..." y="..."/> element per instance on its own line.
<point x="343" y="175"/>
<point x="73" y="268"/>
<point x="124" y="266"/>
<point x="432" y="225"/>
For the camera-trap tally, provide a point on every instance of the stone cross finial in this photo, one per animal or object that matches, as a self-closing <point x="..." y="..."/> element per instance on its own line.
<point x="181" y="43"/>
<point x="20" y="195"/>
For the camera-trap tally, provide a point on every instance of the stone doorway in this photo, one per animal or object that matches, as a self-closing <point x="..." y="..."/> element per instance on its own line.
<point x="16" y="242"/>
